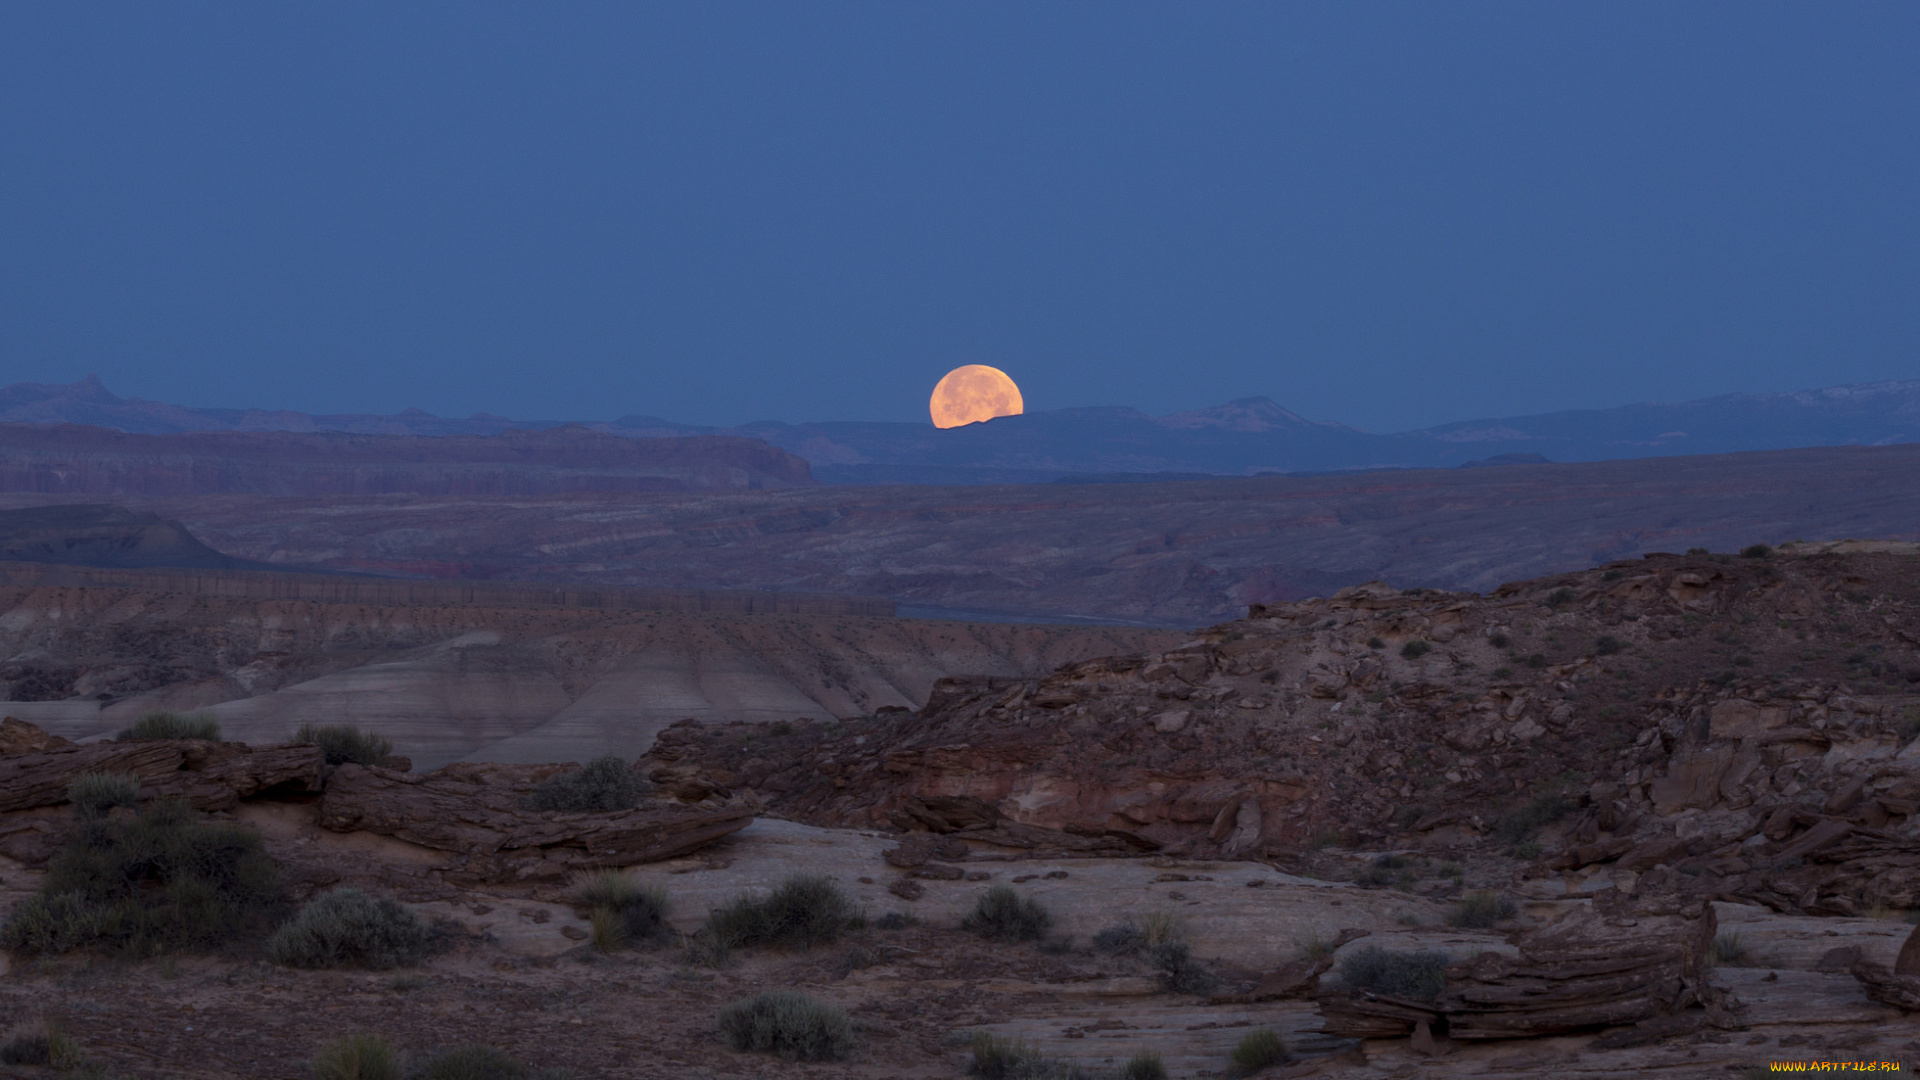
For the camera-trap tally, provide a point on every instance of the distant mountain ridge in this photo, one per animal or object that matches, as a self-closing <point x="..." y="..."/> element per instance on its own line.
<point x="1249" y="436"/>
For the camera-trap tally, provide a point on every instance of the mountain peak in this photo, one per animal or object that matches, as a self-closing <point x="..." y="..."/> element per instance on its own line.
<point x="1242" y="414"/>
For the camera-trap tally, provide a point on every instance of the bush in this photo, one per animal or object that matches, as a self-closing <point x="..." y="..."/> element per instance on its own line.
<point x="357" y="1057"/>
<point x="1180" y="973"/>
<point x="1414" y="650"/>
<point x="1481" y="910"/>
<point x="167" y="725"/>
<point x="995" y="1058"/>
<point x="1120" y="939"/>
<point x="344" y="744"/>
<point x="1559" y="597"/>
<point x="1544" y="810"/>
<point x="1727" y="950"/>
<point x="1756" y="551"/>
<point x="1145" y="1065"/>
<point x="803" y="912"/>
<point x="896" y="920"/>
<point x="43" y="1044"/>
<point x="1002" y="915"/>
<point x="1607" y="645"/>
<point x="622" y="910"/>
<point x="349" y="928"/>
<point x="787" y="1023"/>
<point x="162" y="880"/>
<point x="1418" y="975"/>
<point x="602" y="785"/>
<point x="1258" y="1049"/>
<point x="93" y="794"/>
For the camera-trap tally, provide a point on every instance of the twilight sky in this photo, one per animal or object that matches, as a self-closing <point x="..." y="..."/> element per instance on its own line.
<point x="1387" y="214"/>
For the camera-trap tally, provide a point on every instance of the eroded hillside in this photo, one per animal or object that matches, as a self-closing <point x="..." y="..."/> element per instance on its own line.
<point x="449" y="680"/>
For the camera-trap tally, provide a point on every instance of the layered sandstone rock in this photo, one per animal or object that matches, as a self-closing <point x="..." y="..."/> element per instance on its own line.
<point x="209" y="775"/>
<point x="477" y="815"/>
<point x="1611" y="965"/>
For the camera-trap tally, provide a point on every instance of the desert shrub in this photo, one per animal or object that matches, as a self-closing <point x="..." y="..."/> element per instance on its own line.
<point x="1414" y="650"/>
<point x="93" y="794"/>
<point x="163" y="879"/>
<point x="1001" y="914"/>
<point x="1120" y="939"/>
<point x="601" y="785"/>
<point x="168" y="725"/>
<point x="1544" y="810"/>
<point x="995" y="1058"/>
<point x="1180" y="973"/>
<point x="1607" y="645"/>
<point x="622" y="910"/>
<point x="1258" y="1049"/>
<point x="349" y="928"/>
<point x="1559" y="597"/>
<point x="791" y="1024"/>
<point x="1500" y="641"/>
<point x="895" y="920"/>
<point x="1481" y="910"/>
<point x="1145" y="1065"/>
<point x="1375" y="643"/>
<point x="1418" y="975"/>
<point x="1315" y="948"/>
<point x="1527" y="850"/>
<point x="1756" y="551"/>
<point x="803" y="912"/>
<point x="1537" y="660"/>
<point x="1728" y="950"/>
<point x="357" y="1057"/>
<point x="41" y="1044"/>
<point x="344" y="744"/>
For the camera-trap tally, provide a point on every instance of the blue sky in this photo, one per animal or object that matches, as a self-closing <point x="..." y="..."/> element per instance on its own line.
<point x="1391" y="215"/>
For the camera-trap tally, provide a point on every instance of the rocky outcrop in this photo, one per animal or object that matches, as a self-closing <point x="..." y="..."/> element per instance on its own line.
<point x="210" y="775"/>
<point x="476" y="814"/>
<point x="1613" y="965"/>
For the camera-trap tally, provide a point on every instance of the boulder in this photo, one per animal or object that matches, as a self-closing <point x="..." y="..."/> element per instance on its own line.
<point x="20" y="737"/>
<point x="476" y="813"/>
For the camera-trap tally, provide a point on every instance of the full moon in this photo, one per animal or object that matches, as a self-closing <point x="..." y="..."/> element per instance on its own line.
<point x="970" y="394"/>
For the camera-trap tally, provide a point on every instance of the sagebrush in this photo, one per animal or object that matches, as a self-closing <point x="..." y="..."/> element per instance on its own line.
<point x="788" y="1023"/>
<point x="344" y="744"/>
<point x="602" y="785"/>
<point x="170" y="725"/>
<point x="358" y="1057"/>
<point x="158" y="880"/>
<point x="622" y="911"/>
<point x="350" y="928"/>
<point x="1003" y="915"/>
<point x="805" y="911"/>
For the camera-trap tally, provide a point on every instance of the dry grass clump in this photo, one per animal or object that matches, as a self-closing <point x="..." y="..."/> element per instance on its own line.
<point x="1157" y="938"/>
<point x="1481" y="910"/>
<point x="1417" y="975"/>
<point x="1145" y="1065"/>
<point x="159" y="880"/>
<point x="791" y="1024"/>
<point x="344" y="744"/>
<point x="1002" y="915"/>
<point x="1259" y="1049"/>
<point x="805" y="911"/>
<point x="602" y="785"/>
<point x="171" y="725"/>
<point x="93" y="795"/>
<point x="477" y="1061"/>
<point x="349" y="928"/>
<point x="41" y="1044"/>
<point x="995" y="1058"/>
<point x="622" y="911"/>
<point x="1728" y="950"/>
<point x="358" y="1057"/>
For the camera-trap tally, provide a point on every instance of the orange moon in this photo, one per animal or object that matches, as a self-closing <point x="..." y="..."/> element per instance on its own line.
<point x="970" y="394"/>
